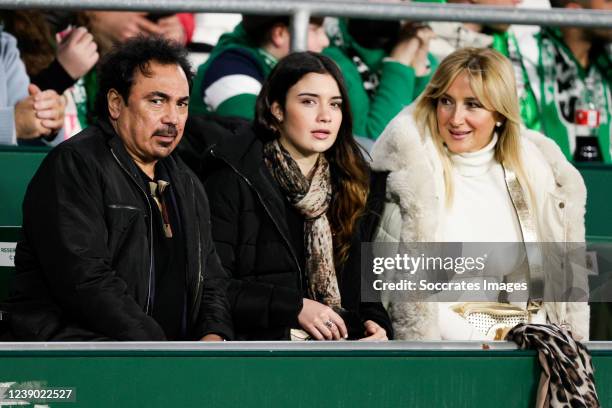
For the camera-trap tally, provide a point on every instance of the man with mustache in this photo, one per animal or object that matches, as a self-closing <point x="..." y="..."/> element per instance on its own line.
<point x="117" y="242"/>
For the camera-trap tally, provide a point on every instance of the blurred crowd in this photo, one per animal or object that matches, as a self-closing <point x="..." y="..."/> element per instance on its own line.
<point x="49" y="77"/>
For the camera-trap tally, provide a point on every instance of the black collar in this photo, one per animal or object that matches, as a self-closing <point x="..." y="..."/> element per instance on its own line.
<point x="242" y="150"/>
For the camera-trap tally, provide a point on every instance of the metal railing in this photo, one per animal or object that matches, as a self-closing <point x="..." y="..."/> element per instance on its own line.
<point x="287" y="346"/>
<point x="301" y="10"/>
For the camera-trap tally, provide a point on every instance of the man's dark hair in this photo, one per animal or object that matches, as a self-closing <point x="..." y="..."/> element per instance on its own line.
<point x="375" y="34"/>
<point x="118" y="68"/>
<point x="257" y="28"/>
<point x="564" y="3"/>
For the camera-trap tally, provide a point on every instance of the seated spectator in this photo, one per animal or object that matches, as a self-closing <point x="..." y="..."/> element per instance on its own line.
<point x="230" y="80"/>
<point x="459" y="167"/>
<point x="121" y="248"/>
<point x="286" y="200"/>
<point x="500" y="37"/>
<point x="26" y="112"/>
<point x="565" y="60"/>
<point x="55" y="61"/>
<point x="386" y="65"/>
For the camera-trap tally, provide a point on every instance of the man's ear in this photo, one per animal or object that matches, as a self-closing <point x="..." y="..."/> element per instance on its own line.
<point x="280" y="36"/>
<point x="115" y="103"/>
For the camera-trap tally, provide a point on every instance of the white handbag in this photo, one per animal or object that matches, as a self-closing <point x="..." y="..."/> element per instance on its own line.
<point x="494" y="319"/>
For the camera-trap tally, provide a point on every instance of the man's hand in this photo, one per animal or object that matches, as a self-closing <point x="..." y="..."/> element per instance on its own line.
<point x="373" y="332"/>
<point x="421" y="61"/>
<point x="172" y="29"/>
<point x="49" y="107"/>
<point x="27" y="125"/>
<point x="212" y="337"/>
<point x="405" y="51"/>
<point x="77" y="52"/>
<point x="40" y="114"/>
<point x="413" y="46"/>
<point x="118" y="26"/>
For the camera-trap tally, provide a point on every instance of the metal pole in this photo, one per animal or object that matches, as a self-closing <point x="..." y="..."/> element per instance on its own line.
<point x="299" y="30"/>
<point x="342" y="8"/>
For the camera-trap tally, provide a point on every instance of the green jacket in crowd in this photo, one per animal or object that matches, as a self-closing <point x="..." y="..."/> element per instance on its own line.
<point x="230" y="80"/>
<point x="398" y="87"/>
<point x="558" y="80"/>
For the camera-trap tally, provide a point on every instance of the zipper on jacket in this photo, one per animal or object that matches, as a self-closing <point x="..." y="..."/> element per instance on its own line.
<point x="124" y="207"/>
<point x="263" y="203"/>
<point x="148" y="307"/>
<point x="200" y="277"/>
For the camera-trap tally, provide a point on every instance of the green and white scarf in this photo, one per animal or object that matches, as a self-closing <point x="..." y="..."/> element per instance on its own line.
<point x="506" y="44"/>
<point x="562" y="82"/>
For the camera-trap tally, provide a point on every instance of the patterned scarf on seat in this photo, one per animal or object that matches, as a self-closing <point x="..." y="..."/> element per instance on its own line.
<point x="567" y="373"/>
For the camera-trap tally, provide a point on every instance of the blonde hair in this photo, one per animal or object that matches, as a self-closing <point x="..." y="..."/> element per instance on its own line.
<point x="492" y="80"/>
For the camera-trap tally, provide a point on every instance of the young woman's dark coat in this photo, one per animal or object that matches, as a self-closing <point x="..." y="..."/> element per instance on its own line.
<point x="260" y="241"/>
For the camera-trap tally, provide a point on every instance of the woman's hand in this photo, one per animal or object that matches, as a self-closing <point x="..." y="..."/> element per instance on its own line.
<point x="212" y="337"/>
<point x="321" y="322"/>
<point x="373" y="332"/>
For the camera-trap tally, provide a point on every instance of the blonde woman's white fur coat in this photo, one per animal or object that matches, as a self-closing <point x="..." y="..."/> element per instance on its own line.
<point x="415" y="201"/>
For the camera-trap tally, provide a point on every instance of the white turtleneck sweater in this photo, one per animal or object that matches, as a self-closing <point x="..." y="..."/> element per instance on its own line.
<point x="481" y="209"/>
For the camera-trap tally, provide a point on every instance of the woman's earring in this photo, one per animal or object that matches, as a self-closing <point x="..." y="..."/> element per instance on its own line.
<point x="498" y="124"/>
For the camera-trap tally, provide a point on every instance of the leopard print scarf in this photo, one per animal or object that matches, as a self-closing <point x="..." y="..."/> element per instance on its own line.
<point x="311" y="196"/>
<point x="567" y="373"/>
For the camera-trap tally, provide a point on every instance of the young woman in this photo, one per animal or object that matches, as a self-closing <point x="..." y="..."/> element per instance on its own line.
<point x="448" y="158"/>
<point x="285" y="200"/>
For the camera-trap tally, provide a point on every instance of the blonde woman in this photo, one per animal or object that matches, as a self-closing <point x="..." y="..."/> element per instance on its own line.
<point x="446" y="158"/>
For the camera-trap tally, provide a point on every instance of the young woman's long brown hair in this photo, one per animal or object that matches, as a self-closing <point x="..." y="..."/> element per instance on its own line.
<point x="348" y="168"/>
